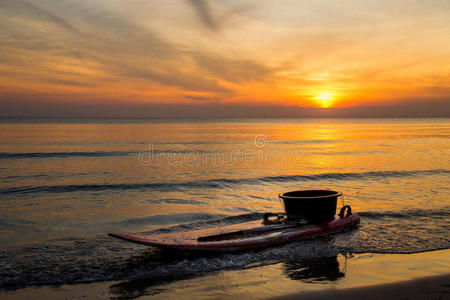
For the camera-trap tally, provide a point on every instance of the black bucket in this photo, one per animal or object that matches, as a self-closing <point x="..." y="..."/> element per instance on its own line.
<point x="312" y="205"/>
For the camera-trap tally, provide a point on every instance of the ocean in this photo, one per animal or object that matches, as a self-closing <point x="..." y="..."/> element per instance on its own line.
<point x="66" y="183"/>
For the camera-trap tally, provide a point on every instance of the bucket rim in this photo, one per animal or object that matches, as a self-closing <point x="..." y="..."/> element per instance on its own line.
<point x="335" y="194"/>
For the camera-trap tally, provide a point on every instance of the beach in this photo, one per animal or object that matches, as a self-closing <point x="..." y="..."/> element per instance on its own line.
<point x="368" y="276"/>
<point x="436" y="287"/>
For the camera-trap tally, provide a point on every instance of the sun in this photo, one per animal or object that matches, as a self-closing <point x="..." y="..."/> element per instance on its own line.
<point x="324" y="99"/>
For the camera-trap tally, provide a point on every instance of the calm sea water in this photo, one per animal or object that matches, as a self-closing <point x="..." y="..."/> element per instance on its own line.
<point x="66" y="183"/>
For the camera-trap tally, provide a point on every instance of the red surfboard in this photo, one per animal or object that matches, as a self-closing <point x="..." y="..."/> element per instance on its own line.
<point x="241" y="237"/>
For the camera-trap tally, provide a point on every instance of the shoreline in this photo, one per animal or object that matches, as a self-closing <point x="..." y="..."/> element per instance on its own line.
<point x="368" y="276"/>
<point x="431" y="287"/>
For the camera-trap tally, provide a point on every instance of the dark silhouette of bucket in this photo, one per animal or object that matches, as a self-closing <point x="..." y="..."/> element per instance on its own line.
<point x="312" y="205"/>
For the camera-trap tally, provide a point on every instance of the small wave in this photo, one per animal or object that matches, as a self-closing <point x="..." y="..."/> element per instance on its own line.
<point x="172" y="143"/>
<point x="169" y="219"/>
<point x="10" y="155"/>
<point x="214" y="183"/>
<point x="101" y="187"/>
<point x="407" y="214"/>
<point x="48" y="176"/>
<point x="352" y="176"/>
<point x="306" y="142"/>
<point x="176" y="201"/>
<point x="43" y="155"/>
<point x="347" y="152"/>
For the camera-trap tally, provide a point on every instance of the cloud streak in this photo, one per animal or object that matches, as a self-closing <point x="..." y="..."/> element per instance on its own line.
<point x="203" y="99"/>
<point x="122" y="50"/>
<point x="204" y="13"/>
<point x="28" y="8"/>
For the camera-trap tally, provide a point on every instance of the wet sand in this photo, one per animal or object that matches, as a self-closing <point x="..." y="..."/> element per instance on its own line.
<point x="363" y="276"/>
<point x="433" y="287"/>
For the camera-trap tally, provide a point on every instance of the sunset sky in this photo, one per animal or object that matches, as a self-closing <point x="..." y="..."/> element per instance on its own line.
<point x="160" y="58"/>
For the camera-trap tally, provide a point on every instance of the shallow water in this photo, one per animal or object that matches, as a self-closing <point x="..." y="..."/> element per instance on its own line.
<point x="66" y="183"/>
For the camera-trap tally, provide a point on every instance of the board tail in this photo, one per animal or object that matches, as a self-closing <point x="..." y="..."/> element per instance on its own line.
<point x="131" y="238"/>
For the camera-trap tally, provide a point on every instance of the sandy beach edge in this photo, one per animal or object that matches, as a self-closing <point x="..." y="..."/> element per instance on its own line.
<point x="432" y="287"/>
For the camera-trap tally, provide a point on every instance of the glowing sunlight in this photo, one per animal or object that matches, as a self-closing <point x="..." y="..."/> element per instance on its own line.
<point x="325" y="99"/>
